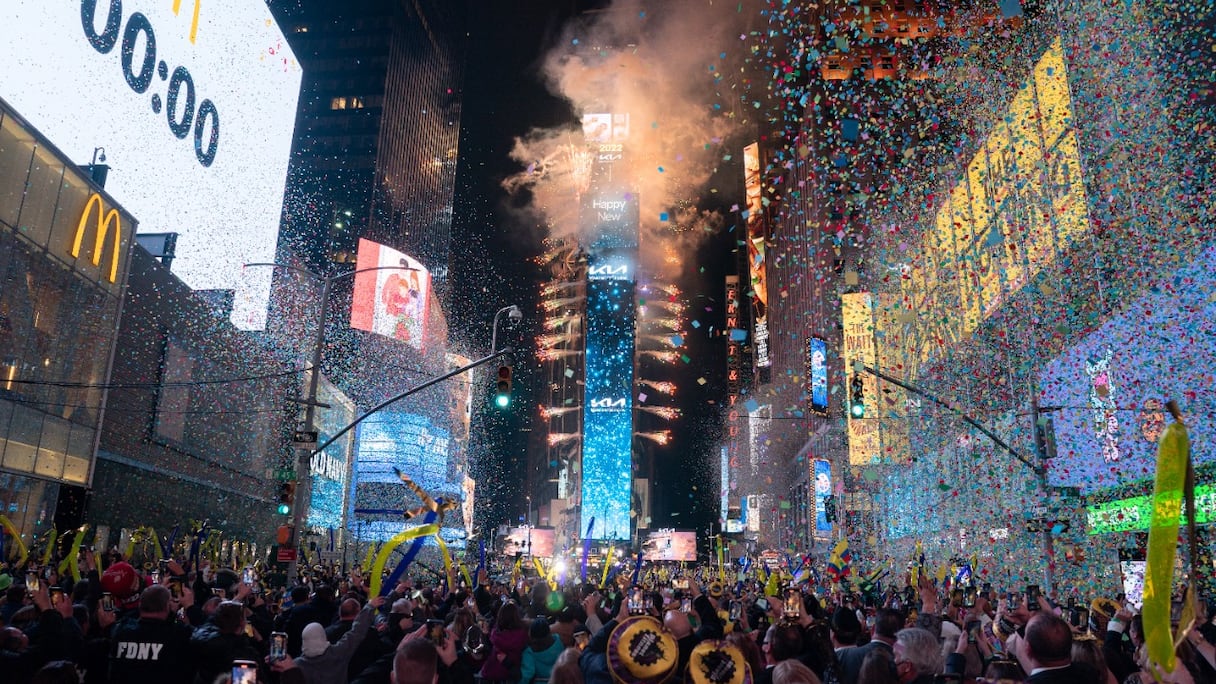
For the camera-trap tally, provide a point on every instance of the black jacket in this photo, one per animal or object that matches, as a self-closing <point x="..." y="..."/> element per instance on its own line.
<point x="145" y="650"/>
<point x="214" y="651"/>
<point x="851" y="659"/>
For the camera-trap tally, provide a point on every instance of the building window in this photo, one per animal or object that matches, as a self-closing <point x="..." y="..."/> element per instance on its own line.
<point x="352" y="102"/>
<point x="172" y="405"/>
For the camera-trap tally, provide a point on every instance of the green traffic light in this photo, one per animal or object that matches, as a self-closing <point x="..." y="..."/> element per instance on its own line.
<point x="858" y="410"/>
<point x="284" y="509"/>
<point x="502" y="400"/>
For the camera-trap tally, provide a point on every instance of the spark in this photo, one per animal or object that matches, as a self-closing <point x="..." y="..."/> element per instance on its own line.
<point x="665" y="356"/>
<point x="556" y="438"/>
<point x="555" y="322"/>
<point x="555" y="304"/>
<point x="664" y="412"/>
<point x="661" y="437"/>
<point x="660" y="386"/>
<point x="550" y="341"/>
<point x="554" y="411"/>
<point x="555" y="354"/>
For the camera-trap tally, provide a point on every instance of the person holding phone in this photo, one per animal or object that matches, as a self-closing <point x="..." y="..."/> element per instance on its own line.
<point x="152" y="646"/>
<point x="325" y="662"/>
<point x="220" y="642"/>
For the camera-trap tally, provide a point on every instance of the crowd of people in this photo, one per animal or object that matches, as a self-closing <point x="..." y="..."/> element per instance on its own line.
<point x="171" y="624"/>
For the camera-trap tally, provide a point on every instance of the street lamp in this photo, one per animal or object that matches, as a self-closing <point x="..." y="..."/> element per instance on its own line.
<point x="514" y="316"/>
<point x="303" y="494"/>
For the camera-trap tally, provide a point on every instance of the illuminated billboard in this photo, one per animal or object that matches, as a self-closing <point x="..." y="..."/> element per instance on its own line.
<point x="392" y="300"/>
<point x="330" y="468"/>
<point x="755" y="252"/>
<point x="859" y="349"/>
<point x="817" y="373"/>
<point x="194" y="104"/>
<point x="537" y="542"/>
<point x="823" y="489"/>
<point x="608" y="408"/>
<point x="670" y="545"/>
<point x="1112" y="386"/>
<point x="1019" y="203"/>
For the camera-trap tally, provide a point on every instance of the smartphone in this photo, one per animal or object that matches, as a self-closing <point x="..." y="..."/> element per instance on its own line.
<point x="686" y="604"/>
<point x="637" y="601"/>
<point x="997" y="646"/>
<point x="107" y="602"/>
<point x="973" y="629"/>
<point x="1079" y="617"/>
<point x="248" y="577"/>
<point x="680" y="583"/>
<point x="956" y="597"/>
<point x="969" y="597"/>
<point x="762" y="604"/>
<point x="792" y="606"/>
<point x="1011" y="602"/>
<point x="436" y="632"/>
<point x="244" y="672"/>
<point x="581" y="639"/>
<point x="157" y="576"/>
<point x="163" y="564"/>
<point x="56" y="596"/>
<point x="278" y="645"/>
<point x="32" y="582"/>
<point x="736" y="611"/>
<point x="1032" y="597"/>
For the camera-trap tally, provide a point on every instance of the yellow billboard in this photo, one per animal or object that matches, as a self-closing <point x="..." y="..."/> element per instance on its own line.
<point x="858" y="350"/>
<point x="1016" y="206"/>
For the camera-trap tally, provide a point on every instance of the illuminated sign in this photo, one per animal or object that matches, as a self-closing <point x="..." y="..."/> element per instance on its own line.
<point x="394" y="299"/>
<point x="1136" y="513"/>
<point x="857" y="312"/>
<point x="734" y="367"/>
<point x="670" y="545"/>
<point x="823" y="489"/>
<point x="604" y="127"/>
<point x="538" y="542"/>
<point x="608" y="404"/>
<point x="195" y="103"/>
<point x="755" y="252"/>
<point x="104" y="221"/>
<point x="1112" y="384"/>
<point x="817" y="373"/>
<point x="608" y="271"/>
<point x="1018" y="204"/>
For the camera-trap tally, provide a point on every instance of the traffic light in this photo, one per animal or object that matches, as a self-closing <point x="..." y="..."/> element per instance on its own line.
<point x="857" y="397"/>
<point x="502" y="391"/>
<point x="287" y="497"/>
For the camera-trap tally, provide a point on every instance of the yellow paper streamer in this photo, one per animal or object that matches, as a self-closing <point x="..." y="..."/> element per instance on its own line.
<point x="72" y="562"/>
<point x="51" y="537"/>
<point x="607" y="566"/>
<point x="23" y="553"/>
<point x="1173" y="451"/>
<point x="397" y="540"/>
<point x="371" y="555"/>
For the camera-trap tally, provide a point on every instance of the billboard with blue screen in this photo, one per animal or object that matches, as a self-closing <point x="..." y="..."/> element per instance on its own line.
<point x="608" y="408"/>
<point x="1111" y="387"/>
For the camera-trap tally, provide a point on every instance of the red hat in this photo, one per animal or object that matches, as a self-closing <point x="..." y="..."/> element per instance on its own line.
<point x="121" y="580"/>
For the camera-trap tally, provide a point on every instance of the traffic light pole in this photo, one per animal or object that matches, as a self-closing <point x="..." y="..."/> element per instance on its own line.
<point x="303" y="491"/>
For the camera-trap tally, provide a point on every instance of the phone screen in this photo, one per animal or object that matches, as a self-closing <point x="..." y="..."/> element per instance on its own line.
<point x="1032" y="597"/>
<point x="686" y="605"/>
<point x="244" y="672"/>
<point x="637" y="601"/>
<point x="792" y="606"/>
<point x="736" y="610"/>
<point x="435" y="631"/>
<point x="581" y="639"/>
<point x="32" y="583"/>
<point x="247" y="576"/>
<point x="278" y="645"/>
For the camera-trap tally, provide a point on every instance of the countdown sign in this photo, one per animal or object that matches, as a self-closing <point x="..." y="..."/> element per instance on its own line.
<point x="194" y="103"/>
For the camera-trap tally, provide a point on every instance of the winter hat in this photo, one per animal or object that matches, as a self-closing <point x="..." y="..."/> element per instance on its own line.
<point x="6" y="581"/>
<point x="121" y="580"/>
<point x="314" y="641"/>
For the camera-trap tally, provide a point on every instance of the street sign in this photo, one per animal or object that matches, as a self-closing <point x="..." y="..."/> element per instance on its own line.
<point x="285" y="474"/>
<point x="286" y="555"/>
<point x="304" y="439"/>
<point x="330" y="555"/>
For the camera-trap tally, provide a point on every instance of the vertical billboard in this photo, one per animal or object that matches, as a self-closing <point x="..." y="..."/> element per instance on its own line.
<point x="817" y="374"/>
<point x="327" y="504"/>
<point x="391" y="300"/>
<point x="735" y="336"/>
<point x="857" y="311"/>
<point x="756" y="253"/>
<point x="823" y="489"/>
<point x="192" y="105"/>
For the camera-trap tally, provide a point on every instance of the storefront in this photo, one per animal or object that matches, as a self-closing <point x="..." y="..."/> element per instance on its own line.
<point x="64" y="250"/>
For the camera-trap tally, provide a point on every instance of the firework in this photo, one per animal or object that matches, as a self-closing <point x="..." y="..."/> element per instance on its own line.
<point x="664" y="356"/>
<point x="664" y="412"/>
<point x="660" y="386"/>
<point x="661" y="437"/>
<point x="556" y="438"/>
<point x="556" y="354"/>
<point x="547" y="412"/>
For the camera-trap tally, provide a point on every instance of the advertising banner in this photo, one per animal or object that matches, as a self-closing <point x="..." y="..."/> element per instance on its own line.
<point x="857" y="311"/>
<point x="823" y="489"/>
<point x="670" y="545"/>
<point x="391" y="301"/>
<point x="756" y="253"/>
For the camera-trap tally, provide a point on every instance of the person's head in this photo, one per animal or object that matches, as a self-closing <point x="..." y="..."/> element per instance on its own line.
<point x="793" y="672"/>
<point x="508" y="617"/>
<point x="154" y="602"/>
<point x="747" y="646"/>
<point x="676" y="622"/>
<point x="539" y="634"/>
<point x="1135" y="630"/>
<point x="845" y="628"/>
<point x="566" y="670"/>
<point x="783" y="641"/>
<point x="416" y="662"/>
<point x="878" y="667"/>
<point x="57" y="672"/>
<point x="1089" y="651"/>
<point x="14" y="640"/>
<point x="313" y="641"/>
<point x="229" y="618"/>
<point x="887" y="623"/>
<point x="299" y="595"/>
<point x="1048" y="642"/>
<point x="917" y="653"/>
<point x="349" y="610"/>
<point x="1004" y="672"/>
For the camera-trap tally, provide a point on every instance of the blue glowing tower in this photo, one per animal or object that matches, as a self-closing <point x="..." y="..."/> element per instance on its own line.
<point x="609" y="221"/>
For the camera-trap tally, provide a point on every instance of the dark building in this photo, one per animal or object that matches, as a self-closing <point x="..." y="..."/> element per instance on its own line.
<point x="377" y="129"/>
<point x="198" y="417"/>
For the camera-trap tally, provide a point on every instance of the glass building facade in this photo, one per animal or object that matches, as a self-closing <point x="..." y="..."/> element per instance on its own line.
<point x="64" y="250"/>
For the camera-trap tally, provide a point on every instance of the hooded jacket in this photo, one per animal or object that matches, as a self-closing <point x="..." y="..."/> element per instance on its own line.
<point x="214" y="652"/>
<point x="330" y="665"/>
<point x="538" y="665"/>
<point x="510" y="643"/>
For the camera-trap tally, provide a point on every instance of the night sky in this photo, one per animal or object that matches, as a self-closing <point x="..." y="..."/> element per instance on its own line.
<point x="491" y="268"/>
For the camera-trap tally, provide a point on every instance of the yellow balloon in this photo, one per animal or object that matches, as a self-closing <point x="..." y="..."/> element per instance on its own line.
<point x="1172" y="453"/>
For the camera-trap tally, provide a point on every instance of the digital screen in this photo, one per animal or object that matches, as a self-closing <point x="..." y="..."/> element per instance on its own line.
<point x="391" y="301"/>
<point x="670" y="545"/>
<point x="757" y="270"/>
<point x="859" y="348"/>
<point x="817" y="364"/>
<point x="408" y="442"/>
<point x="1133" y="582"/>
<point x="608" y="408"/>
<point x="1112" y="386"/>
<point x="194" y="103"/>
<point x="823" y="489"/>
<point x="535" y="541"/>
